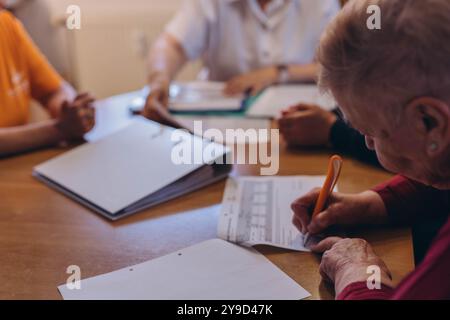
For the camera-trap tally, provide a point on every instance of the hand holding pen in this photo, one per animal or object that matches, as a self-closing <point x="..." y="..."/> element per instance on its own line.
<point x="306" y="223"/>
<point x="339" y="209"/>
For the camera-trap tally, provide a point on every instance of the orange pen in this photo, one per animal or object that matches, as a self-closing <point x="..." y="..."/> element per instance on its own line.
<point x="334" y="170"/>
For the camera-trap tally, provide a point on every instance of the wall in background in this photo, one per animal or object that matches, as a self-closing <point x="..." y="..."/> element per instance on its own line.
<point x="108" y="55"/>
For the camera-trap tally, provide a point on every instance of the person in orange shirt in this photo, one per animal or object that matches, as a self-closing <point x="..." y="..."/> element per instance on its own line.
<point x="25" y="74"/>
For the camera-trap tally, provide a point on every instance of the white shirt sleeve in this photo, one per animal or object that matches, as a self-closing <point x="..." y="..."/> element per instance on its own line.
<point x="326" y="11"/>
<point x="190" y="28"/>
<point x="330" y="9"/>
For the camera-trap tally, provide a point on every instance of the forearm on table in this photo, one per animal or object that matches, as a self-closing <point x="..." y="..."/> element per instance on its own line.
<point x="360" y="291"/>
<point x="374" y="213"/>
<point x="165" y="58"/>
<point x="303" y="72"/>
<point x="407" y="201"/>
<point x="358" y="277"/>
<point x="32" y="136"/>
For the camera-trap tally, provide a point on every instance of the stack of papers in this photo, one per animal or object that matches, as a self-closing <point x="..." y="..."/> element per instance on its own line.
<point x="274" y="99"/>
<point x="133" y="169"/>
<point x="212" y="270"/>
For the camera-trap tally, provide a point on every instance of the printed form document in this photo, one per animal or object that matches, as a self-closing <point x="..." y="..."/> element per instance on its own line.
<point x="257" y="210"/>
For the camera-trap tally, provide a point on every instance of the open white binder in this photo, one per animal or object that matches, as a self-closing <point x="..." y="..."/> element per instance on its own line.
<point x="132" y="169"/>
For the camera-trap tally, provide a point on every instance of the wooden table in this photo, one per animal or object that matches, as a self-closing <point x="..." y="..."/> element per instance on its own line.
<point x="42" y="232"/>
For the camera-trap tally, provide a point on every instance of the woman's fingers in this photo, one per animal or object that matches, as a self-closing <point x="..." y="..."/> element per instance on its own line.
<point x="157" y="112"/>
<point x="83" y="100"/>
<point x="299" y="224"/>
<point x="234" y="86"/>
<point x="325" y="244"/>
<point x="303" y="208"/>
<point x="322" y="221"/>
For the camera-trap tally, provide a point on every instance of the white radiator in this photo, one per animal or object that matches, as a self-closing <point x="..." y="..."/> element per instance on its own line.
<point x="107" y="56"/>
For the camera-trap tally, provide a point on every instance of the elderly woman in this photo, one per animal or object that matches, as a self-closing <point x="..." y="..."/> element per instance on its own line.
<point x="393" y="85"/>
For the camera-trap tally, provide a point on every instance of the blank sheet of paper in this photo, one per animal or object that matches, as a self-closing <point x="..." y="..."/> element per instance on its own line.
<point x="277" y="98"/>
<point x="202" y="96"/>
<point x="211" y="270"/>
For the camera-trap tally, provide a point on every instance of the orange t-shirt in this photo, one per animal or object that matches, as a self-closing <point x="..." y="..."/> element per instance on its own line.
<point x="24" y="72"/>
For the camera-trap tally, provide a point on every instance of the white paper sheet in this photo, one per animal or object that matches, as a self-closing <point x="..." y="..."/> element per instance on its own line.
<point x="277" y="98"/>
<point x="202" y="96"/>
<point x="212" y="270"/>
<point x="257" y="210"/>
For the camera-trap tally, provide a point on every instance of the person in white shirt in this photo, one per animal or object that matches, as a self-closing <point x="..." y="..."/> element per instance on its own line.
<point x="249" y="44"/>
